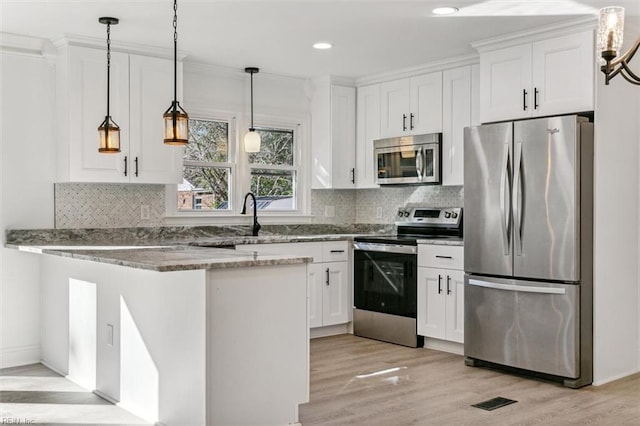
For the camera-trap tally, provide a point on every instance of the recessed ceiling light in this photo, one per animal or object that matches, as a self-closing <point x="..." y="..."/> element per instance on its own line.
<point x="447" y="10"/>
<point x="322" y="45"/>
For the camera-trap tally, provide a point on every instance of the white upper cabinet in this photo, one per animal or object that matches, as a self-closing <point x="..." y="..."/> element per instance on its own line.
<point x="367" y="130"/>
<point x="141" y="88"/>
<point x="411" y="106"/>
<point x="553" y="76"/>
<point x="333" y="135"/>
<point x="456" y="115"/>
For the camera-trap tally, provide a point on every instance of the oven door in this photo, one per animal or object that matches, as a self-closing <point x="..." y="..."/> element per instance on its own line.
<point x="385" y="281"/>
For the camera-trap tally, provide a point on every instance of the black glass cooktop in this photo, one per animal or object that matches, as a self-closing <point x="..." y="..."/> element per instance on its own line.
<point x="407" y="239"/>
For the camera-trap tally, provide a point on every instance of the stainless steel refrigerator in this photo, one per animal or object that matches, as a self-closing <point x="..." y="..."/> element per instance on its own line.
<point x="528" y="243"/>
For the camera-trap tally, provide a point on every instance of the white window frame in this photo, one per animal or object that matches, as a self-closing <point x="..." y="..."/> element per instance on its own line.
<point x="241" y="174"/>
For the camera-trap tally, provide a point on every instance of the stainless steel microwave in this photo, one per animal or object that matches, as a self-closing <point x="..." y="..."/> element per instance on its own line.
<point x="409" y="159"/>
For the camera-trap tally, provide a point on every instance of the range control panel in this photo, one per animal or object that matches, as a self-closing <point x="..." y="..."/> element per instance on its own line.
<point x="429" y="216"/>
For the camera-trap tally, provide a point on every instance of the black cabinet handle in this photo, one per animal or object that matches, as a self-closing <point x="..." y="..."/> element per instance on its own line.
<point x="327" y="276"/>
<point x="404" y="122"/>
<point x="524" y="99"/>
<point x="448" y="284"/>
<point x="444" y="257"/>
<point x="439" y="283"/>
<point x="353" y="175"/>
<point x="337" y="251"/>
<point x="136" y="161"/>
<point x="411" y="121"/>
<point x="535" y="98"/>
<point x="125" y="165"/>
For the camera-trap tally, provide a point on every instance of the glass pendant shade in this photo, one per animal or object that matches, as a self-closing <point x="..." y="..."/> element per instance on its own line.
<point x="610" y="32"/>
<point x="252" y="141"/>
<point x="109" y="136"/>
<point x="176" y="126"/>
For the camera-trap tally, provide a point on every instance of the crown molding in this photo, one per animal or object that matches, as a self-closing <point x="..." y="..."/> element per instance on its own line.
<point x="24" y="45"/>
<point x="536" y="34"/>
<point x="444" y="64"/>
<point x="65" y="40"/>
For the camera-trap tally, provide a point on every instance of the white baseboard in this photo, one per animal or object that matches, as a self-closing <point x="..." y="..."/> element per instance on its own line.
<point x="54" y="369"/>
<point x="19" y="355"/>
<point x="614" y="378"/>
<point x="444" y="346"/>
<point x="331" y="330"/>
<point x="105" y="397"/>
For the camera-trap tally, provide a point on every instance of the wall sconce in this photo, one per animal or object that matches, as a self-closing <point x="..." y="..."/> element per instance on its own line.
<point x="176" y="120"/>
<point x="252" y="138"/>
<point x="109" y="131"/>
<point x="610" y="36"/>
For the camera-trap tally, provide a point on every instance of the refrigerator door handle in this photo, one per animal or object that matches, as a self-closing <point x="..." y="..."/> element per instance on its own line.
<point x="419" y="164"/>
<point x="520" y="288"/>
<point x="517" y="196"/>
<point x="504" y="182"/>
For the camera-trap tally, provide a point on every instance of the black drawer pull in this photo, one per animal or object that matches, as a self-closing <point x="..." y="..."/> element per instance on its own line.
<point x="337" y="251"/>
<point x="444" y="257"/>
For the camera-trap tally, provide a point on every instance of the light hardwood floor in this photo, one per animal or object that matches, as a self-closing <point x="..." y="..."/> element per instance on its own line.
<point x="427" y="387"/>
<point x="357" y="381"/>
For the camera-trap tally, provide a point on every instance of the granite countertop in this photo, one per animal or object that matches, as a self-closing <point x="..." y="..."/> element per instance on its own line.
<point x="176" y="258"/>
<point x="451" y="241"/>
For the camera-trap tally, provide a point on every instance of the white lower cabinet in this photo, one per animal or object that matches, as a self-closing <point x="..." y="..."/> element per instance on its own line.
<point x="328" y="279"/>
<point x="441" y="294"/>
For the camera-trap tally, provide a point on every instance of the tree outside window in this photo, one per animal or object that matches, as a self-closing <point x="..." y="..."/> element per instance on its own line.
<point x="273" y="170"/>
<point x="206" y="167"/>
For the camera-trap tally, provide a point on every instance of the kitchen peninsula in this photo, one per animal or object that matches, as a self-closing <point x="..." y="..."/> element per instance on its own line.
<point x="179" y="335"/>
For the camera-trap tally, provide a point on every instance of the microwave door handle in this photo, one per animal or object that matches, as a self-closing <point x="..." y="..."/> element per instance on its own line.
<point x="419" y="164"/>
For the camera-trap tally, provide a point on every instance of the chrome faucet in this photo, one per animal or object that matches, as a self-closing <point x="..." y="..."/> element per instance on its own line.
<point x="256" y="225"/>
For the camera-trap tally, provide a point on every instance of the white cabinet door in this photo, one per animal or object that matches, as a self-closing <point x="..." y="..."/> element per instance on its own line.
<point x="475" y="95"/>
<point x="343" y="136"/>
<point x="151" y="93"/>
<point x="455" y="305"/>
<point x="394" y="108"/>
<point x="505" y="92"/>
<point x="425" y="108"/>
<point x="336" y="293"/>
<point x="315" y="289"/>
<point x="85" y="89"/>
<point x="368" y="130"/>
<point x="431" y="303"/>
<point x="456" y="115"/>
<point x="563" y="74"/>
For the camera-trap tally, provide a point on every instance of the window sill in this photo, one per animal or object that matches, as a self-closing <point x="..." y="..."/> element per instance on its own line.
<point x="271" y="218"/>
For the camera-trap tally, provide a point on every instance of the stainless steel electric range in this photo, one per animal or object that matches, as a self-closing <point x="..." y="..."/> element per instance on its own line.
<point x="385" y="273"/>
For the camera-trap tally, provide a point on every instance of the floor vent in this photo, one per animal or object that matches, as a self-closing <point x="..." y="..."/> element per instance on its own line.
<point x="494" y="403"/>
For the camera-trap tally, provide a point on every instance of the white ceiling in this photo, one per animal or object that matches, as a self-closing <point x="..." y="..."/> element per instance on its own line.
<point x="369" y="36"/>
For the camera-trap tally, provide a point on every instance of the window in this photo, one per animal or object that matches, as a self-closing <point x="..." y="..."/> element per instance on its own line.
<point x="207" y="172"/>
<point x="273" y="170"/>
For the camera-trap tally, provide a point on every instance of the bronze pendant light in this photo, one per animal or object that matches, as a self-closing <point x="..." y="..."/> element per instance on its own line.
<point x="176" y="120"/>
<point x="109" y="132"/>
<point x="252" y="138"/>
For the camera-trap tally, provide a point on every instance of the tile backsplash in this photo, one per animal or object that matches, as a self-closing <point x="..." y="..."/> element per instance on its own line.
<point x="96" y="205"/>
<point x="104" y="205"/>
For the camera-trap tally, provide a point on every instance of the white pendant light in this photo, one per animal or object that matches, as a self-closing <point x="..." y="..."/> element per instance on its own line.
<point x="108" y="131"/>
<point x="252" y="138"/>
<point x="176" y="120"/>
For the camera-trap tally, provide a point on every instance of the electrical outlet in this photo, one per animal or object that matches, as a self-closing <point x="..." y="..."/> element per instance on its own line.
<point x="110" y="334"/>
<point x="145" y="212"/>
<point x="378" y="212"/>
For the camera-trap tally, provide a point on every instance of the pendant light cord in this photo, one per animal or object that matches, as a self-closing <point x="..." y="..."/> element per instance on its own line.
<point x="175" y="57"/>
<point x="251" y="129"/>
<point x="108" y="75"/>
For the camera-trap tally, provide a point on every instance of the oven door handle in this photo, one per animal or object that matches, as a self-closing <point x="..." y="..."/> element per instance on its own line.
<point x="385" y="248"/>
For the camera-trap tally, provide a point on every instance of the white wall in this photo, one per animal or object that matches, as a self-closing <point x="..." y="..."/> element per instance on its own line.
<point x="27" y="165"/>
<point x="616" y="248"/>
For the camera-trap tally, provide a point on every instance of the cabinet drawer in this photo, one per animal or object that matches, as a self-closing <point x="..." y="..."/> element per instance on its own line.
<point x="302" y="249"/>
<point x="335" y="251"/>
<point x="438" y="256"/>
